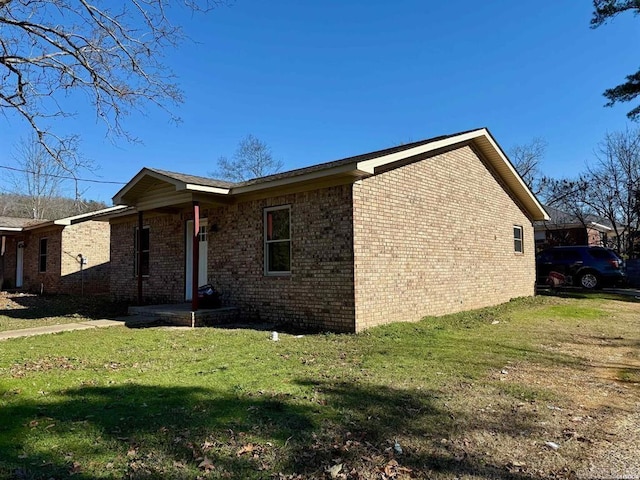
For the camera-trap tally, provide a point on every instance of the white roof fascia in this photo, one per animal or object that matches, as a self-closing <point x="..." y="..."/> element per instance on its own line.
<point x="370" y="165"/>
<point x="599" y="225"/>
<point x="11" y="229"/>
<point x="203" y="188"/>
<point x="83" y="216"/>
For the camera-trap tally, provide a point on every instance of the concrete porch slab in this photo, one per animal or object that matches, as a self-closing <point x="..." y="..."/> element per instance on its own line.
<point x="181" y="314"/>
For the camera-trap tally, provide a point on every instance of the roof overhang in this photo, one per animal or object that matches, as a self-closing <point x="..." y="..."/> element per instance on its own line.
<point x="133" y="194"/>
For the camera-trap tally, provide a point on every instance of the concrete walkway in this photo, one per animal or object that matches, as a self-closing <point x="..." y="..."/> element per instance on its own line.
<point x="67" y="327"/>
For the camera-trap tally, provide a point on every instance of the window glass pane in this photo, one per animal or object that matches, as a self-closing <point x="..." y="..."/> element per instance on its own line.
<point x="279" y="257"/>
<point x="601" y="254"/>
<point x="43" y="255"/>
<point x="145" y="263"/>
<point x="144" y="257"/>
<point x="517" y="245"/>
<point x="278" y="224"/>
<point x="517" y="239"/>
<point x="145" y="239"/>
<point x="517" y="233"/>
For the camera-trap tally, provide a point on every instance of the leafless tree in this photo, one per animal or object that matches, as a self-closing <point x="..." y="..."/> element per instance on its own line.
<point x="37" y="182"/>
<point x="108" y="52"/>
<point x="526" y="159"/>
<point x="615" y="185"/>
<point x="252" y="159"/>
<point x="608" y="190"/>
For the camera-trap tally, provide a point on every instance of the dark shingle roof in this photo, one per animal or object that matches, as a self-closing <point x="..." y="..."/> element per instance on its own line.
<point x="346" y="161"/>
<point x="209" y="182"/>
<point x="16" y="222"/>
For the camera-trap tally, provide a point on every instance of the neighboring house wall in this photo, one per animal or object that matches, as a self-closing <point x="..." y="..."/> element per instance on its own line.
<point x="62" y="274"/>
<point x="91" y="240"/>
<point x="10" y="257"/>
<point x="34" y="279"/>
<point x="557" y="237"/>
<point x="436" y="237"/>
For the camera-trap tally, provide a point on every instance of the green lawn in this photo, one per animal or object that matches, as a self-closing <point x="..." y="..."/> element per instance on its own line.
<point x="18" y="311"/>
<point x="224" y="403"/>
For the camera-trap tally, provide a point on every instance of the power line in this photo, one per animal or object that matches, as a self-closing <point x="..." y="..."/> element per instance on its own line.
<point x="64" y="177"/>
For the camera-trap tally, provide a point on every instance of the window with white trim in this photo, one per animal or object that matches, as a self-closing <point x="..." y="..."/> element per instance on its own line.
<point x="277" y="240"/>
<point x="518" y="243"/>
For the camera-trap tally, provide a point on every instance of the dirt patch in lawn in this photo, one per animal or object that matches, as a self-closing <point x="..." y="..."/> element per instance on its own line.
<point x="596" y="417"/>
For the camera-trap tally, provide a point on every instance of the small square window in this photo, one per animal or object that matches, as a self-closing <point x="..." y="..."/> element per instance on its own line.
<point x="518" y="244"/>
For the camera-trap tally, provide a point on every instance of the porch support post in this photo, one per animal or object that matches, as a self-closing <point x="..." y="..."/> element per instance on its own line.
<point x="195" y="257"/>
<point x="139" y="256"/>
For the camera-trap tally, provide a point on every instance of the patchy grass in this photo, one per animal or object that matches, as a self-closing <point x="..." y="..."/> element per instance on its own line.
<point x="473" y="395"/>
<point x="23" y="310"/>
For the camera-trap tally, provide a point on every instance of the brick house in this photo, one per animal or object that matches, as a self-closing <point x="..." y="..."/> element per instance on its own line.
<point x="563" y="229"/>
<point x="46" y="255"/>
<point x="428" y="228"/>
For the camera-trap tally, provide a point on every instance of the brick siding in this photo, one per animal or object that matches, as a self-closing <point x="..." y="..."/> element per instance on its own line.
<point x="427" y="238"/>
<point x="318" y="294"/>
<point x="62" y="274"/>
<point x="436" y="237"/>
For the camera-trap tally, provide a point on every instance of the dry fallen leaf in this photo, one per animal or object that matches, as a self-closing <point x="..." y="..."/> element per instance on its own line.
<point x="248" y="448"/>
<point x="206" y="464"/>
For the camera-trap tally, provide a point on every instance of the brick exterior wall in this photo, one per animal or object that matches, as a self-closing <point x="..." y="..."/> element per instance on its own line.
<point x="436" y="237"/>
<point x="91" y="240"/>
<point x="33" y="279"/>
<point x="427" y="238"/>
<point x="62" y="274"/>
<point x="165" y="283"/>
<point x="318" y="294"/>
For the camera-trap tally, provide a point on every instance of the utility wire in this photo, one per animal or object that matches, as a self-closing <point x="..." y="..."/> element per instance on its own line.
<point x="64" y="177"/>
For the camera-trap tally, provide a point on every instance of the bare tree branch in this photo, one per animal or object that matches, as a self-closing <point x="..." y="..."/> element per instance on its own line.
<point x="110" y="52"/>
<point x="252" y="159"/>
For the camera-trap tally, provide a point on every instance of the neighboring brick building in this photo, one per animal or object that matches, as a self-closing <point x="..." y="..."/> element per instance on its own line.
<point x="427" y="228"/>
<point x="565" y="229"/>
<point x="45" y="256"/>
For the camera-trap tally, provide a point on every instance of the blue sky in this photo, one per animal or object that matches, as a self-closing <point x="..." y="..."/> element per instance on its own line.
<point x="319" y="81"/>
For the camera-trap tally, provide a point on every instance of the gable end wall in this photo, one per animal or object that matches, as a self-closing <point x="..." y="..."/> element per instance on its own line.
<point x="436" y="237"/>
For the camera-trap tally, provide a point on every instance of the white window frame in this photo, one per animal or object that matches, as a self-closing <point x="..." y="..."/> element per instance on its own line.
<point x="518" y="228"/>
<point x="267" y="242"/>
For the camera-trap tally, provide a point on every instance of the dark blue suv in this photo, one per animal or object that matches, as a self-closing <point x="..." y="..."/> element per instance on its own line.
<point x="583" y="266"/>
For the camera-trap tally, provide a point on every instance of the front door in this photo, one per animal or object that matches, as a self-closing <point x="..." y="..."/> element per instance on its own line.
<point x="19" y="264"/>
<point x="202" y="256"/>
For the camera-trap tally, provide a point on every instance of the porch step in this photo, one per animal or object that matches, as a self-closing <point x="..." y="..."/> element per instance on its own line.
<point x="181" y="315"/>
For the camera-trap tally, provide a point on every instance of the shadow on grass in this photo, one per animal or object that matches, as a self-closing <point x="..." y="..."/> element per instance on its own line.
<point x="33" y="307"/>
<point x="136" y="431"/>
